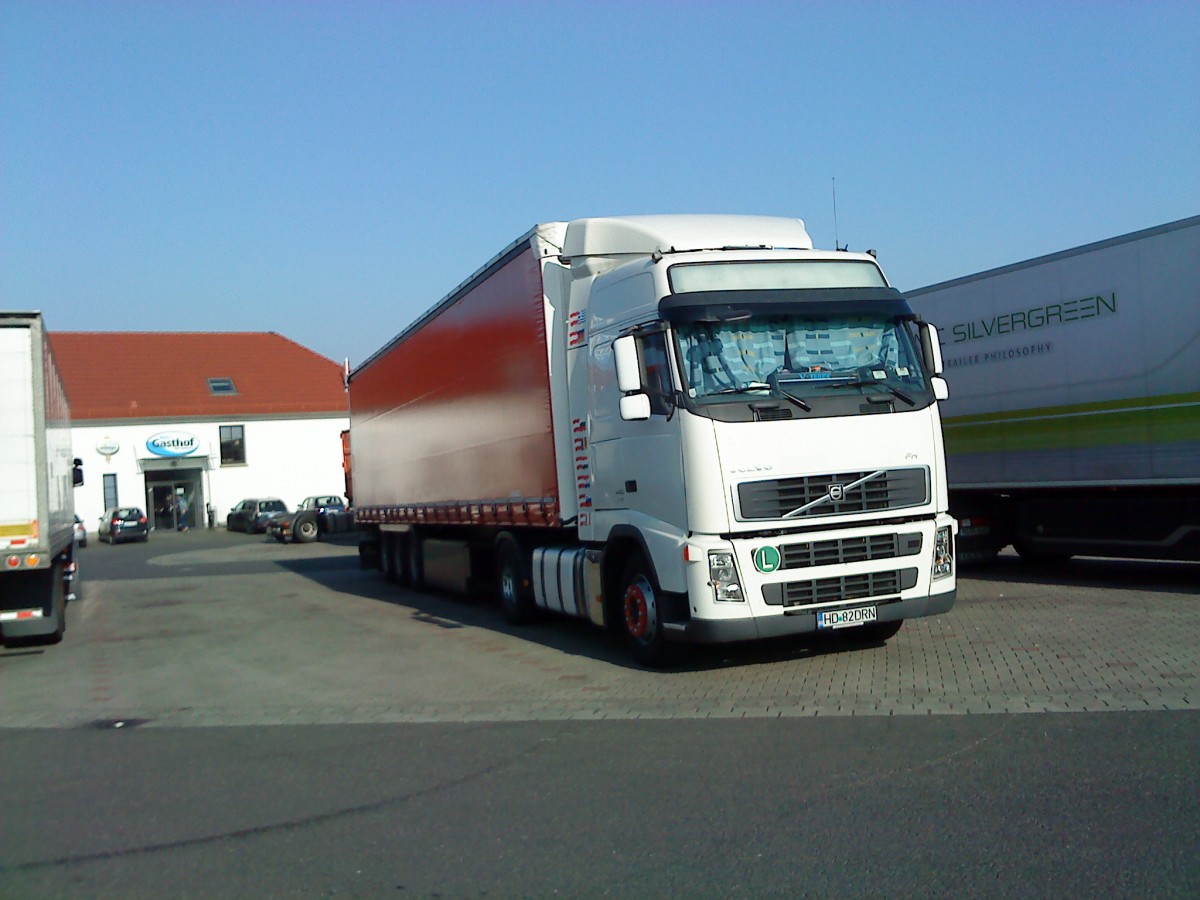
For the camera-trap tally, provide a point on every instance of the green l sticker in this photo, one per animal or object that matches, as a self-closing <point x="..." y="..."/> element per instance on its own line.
<point x="766" y="559"/>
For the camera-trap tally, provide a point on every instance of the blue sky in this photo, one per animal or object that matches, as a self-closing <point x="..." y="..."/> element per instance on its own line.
<point x="330" y="170"/>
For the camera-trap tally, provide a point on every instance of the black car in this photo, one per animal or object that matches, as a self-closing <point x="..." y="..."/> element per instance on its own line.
<point x="253" y="513"/>
<point x="123" y="523"/>
<point x="315" y="515"/>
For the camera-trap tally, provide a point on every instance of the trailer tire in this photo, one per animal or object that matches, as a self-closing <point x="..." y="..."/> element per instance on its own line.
<point x="641" y="615"/>
<point x="512" y="583"/>
<point x="414" y="572"/>
<point x="58" y="604"/>
<point x="389" y="557"/>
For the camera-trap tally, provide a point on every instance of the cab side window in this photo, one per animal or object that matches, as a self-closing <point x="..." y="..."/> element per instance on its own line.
<point x="656" y="373"/>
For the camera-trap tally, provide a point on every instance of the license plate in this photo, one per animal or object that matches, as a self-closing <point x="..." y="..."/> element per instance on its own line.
<point x="846" y="618"/>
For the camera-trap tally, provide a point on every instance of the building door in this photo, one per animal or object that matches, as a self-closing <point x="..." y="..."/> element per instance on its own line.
<point x="174" y="497"/>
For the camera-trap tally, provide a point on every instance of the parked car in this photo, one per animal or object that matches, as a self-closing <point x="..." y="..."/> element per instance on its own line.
<point x="314" y="516"/>
<point x="80" y="533"/>
<point x="253" y="513"/>
<point x="123" y="523"/>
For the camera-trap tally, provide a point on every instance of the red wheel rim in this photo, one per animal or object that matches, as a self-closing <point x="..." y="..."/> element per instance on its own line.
<point x="637" y="615"/>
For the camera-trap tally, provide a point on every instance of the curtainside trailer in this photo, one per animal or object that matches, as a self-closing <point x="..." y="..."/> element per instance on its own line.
<point x="1075" y="423"/>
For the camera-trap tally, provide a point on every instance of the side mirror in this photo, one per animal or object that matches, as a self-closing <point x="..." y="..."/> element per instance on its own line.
<point x="635" y="407"/>
<point x="941" y="390"/>
<point x="629" y="370"/>
<point x="931" y="349"/>
<point x="77" y="472"/>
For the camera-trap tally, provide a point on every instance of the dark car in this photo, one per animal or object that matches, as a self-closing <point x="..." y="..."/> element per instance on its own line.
<point x="315" y="515"/>
<point x="80" y="533"/>
<point x="253" y="513"/>
<point x="123" y="523"/>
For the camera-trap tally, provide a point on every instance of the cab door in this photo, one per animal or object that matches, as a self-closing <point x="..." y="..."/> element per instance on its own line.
<point x="638" y="465"/>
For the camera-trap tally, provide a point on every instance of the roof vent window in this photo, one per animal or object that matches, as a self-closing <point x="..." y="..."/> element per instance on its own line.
<point x="221" y="386"/>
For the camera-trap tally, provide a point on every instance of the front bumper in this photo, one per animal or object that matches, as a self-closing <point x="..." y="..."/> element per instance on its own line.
<point x="787" y="578"/>
<point x="719" y="631"/>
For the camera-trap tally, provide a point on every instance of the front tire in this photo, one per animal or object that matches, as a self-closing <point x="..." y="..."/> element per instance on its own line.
<point x="641" y="615"/>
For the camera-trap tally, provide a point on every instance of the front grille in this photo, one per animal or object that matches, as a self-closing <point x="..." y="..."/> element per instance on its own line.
<point x="844" y="589"/>
<point x="838" y="494"/>
<point x="849" y="550"/>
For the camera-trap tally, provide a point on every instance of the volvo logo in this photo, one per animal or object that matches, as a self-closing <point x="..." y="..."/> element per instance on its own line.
<point x="837" y="492"/>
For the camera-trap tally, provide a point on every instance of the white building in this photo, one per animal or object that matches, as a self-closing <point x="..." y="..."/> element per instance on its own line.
<point x="207" y="417"/>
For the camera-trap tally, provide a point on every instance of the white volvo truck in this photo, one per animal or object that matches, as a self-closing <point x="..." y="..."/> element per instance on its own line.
<point x="687" y="428"/>
<point x="38" y="572"/>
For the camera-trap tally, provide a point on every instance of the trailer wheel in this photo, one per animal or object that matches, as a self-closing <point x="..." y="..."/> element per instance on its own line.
<point x="415" y="570"/>
<point x="389" y="556"/>
<point x="511" y="582"/>
<point x="58" y="604"/>
<point x="640" y="615"/>
<point x="304" y="529"/>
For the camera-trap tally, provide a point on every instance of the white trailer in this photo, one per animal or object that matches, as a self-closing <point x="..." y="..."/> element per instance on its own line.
<point x="38" y="572"/>
<point x="686" y="428"/>
<point x="1074" y="427"/>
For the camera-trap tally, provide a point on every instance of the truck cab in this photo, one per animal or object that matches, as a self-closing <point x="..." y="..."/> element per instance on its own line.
<point x="763" y="441"/>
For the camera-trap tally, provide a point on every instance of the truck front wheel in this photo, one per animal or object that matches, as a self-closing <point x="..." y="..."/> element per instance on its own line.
<point x="641" y="615"/>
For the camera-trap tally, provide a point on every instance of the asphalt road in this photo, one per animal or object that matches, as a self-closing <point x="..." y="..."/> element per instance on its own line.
<point x="229" y="717"/>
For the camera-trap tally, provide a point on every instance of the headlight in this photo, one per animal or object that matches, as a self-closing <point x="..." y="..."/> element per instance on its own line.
<point x="943" y="554"/>
<point x="722" y="572"/>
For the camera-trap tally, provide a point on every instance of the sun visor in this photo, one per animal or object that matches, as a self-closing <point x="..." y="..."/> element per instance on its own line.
<point x="724" y="306"/>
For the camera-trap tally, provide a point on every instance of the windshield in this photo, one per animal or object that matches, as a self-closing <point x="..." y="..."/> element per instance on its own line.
<point x="793" y="354"/>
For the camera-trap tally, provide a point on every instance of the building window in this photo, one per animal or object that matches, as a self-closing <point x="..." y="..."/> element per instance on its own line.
<point x="110" y="491"/>
<point x="233" y="445"/>
<point x="222" y="386"/>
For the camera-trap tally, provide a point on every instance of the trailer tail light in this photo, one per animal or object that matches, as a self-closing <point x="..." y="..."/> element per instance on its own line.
<point x="12" y="562"/>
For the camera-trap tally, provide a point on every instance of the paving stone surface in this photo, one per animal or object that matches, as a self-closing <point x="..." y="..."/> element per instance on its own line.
<point x="256" y="633"/>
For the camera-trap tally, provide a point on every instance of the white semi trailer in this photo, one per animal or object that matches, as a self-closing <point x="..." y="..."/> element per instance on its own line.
<point x="687" y="428"/>
<point x="1074" y="427"/>
<point x="38" y="571"/>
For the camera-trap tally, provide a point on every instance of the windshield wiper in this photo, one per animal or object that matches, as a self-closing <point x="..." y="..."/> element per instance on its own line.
<point x="859" y="382"/>
<point x="760" y="386"/>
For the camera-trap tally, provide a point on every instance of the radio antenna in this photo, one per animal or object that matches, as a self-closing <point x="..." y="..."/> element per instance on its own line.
<point x="836" y="245"/>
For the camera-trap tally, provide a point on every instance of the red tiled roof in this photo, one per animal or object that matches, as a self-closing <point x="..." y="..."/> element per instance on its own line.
<point x="163" y="374"/>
